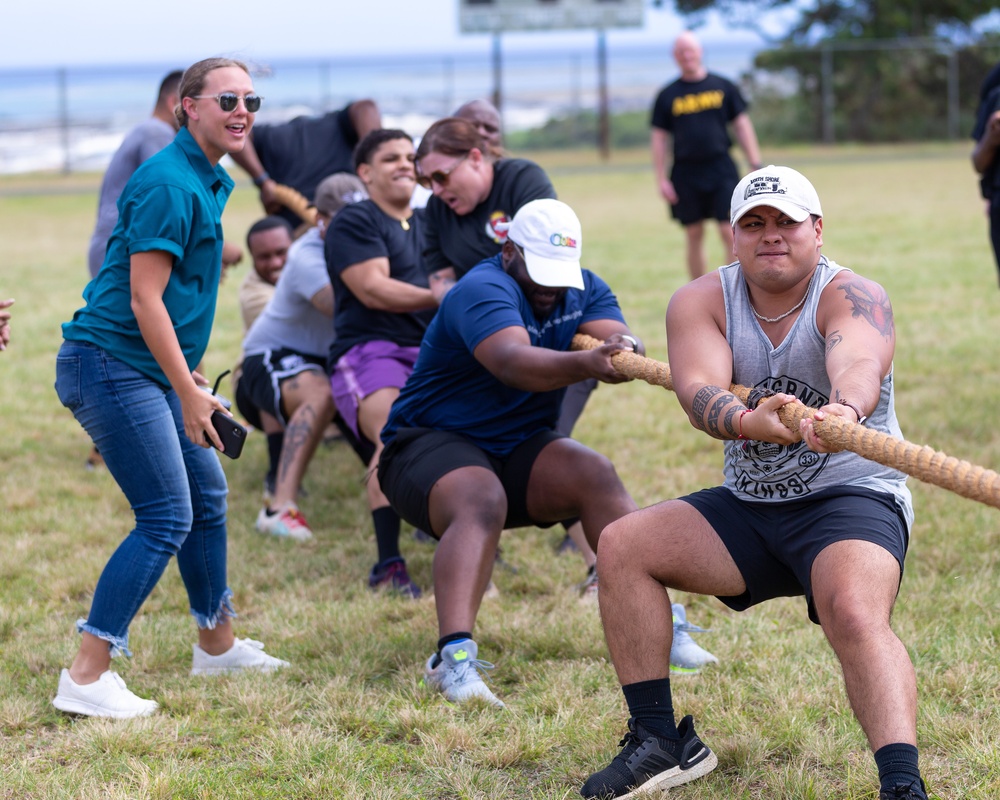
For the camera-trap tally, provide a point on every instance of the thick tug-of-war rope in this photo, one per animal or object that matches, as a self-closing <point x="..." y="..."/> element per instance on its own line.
<point x="295" y="201"/>
<point x="922" y="462"/>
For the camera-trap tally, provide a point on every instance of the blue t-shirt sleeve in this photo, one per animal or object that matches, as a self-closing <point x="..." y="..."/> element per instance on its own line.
<point x="479" y="305"/>
<point x="601" y="303"/>
<point x="158" y="218"/>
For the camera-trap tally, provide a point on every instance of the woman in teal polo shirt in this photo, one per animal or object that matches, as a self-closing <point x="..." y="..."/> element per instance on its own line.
<point x="126" y="371"/>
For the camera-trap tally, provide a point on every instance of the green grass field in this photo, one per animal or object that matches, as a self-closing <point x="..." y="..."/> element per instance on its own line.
<point x="349" y="720"/>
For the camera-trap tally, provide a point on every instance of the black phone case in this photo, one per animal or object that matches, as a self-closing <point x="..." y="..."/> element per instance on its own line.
<point x="233" y="434"/>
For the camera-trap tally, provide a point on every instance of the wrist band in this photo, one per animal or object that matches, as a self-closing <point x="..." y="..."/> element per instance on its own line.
<point x="862" y="419"/>
<point x="756" y="395"/>
<point x="261" y="179"/>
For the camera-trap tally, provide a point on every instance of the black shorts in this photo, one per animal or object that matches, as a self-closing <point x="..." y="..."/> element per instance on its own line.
<point x="259" y="388"/>
<point x="418" y="458"/>
<point x="260" y="384"/>
<point x="774" y="544"/>
<point x="704" y="190"/>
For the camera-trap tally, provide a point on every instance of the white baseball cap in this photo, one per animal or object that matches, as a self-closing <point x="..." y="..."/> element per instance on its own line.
<point x="779" y="187"/>
<point x="548" y="232"/>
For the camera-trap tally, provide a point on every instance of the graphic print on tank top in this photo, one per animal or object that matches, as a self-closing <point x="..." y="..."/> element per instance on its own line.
<point x="772" y="471"/>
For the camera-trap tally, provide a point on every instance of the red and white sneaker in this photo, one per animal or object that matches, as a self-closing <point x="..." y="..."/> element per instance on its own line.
<point x="285" y="522"/>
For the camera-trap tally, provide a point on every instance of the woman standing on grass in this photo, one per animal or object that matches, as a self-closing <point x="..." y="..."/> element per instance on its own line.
<point x="126" y="371"/>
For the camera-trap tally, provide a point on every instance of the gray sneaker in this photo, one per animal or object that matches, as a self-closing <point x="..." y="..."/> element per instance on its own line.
<point x="686" y="656"/>
<point x="456" y="675"/>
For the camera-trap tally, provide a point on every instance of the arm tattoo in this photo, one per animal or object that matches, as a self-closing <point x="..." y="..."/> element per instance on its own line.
<point x="707" y="407"/>
<point x="868" y="300"/>
<point x="832" y="340"/>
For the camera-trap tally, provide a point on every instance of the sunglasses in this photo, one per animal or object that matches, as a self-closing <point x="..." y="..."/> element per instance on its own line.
<point x="229" y="100"/>
<point x="439" y="176"/>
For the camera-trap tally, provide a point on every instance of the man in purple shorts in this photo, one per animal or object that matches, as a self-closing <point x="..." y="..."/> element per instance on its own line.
<point x="793" y="517"/>
<point x="383" y="306"/>
<point x="471" y="445"/>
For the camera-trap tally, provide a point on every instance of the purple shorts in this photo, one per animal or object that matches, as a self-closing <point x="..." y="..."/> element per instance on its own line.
<point x="366" y="368"/>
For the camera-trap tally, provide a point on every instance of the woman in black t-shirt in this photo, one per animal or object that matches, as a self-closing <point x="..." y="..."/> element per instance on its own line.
<point x="476" y="190"/>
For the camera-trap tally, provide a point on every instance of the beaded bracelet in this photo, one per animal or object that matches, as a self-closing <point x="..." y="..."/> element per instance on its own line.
<point x="743" y="413"/>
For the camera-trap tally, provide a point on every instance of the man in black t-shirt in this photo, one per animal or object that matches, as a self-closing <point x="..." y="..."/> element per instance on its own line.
<point x="301" y="152"/>
<point x="689" y="120"/>
<point x="382" y="308"/>
<point x="986" y="154"/>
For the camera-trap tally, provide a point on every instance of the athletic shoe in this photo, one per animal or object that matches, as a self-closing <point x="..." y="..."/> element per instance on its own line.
<point x="106" y="697"/>
<point x="911" y="791"/>
<point x="423" y="536"/>
<point x="686" y="657"/>
<point x="244" y="654"/>
<point x="94" y="460"/>
<point x="648" y="763"/>
<point x="588" y="589"/>
<point x="285" y="523"/>
<point x="567" y="545"/>
<point x="456" y="675"/>
<point x="391" y="575"/>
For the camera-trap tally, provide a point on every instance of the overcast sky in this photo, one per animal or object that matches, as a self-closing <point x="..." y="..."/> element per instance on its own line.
<point x="71" y="33"/>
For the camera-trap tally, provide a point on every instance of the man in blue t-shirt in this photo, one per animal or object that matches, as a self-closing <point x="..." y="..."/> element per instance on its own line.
<point x="470" y="445"/>
<point x="690" y="122"/>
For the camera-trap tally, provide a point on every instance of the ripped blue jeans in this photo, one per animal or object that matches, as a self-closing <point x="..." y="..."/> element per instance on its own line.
<point x="177" y="491"/>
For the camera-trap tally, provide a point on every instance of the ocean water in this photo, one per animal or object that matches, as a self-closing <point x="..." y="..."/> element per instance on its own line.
<point x="74" y="118"/>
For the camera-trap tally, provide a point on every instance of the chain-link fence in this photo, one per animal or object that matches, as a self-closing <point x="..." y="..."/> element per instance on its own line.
<point x="73" y="118"/>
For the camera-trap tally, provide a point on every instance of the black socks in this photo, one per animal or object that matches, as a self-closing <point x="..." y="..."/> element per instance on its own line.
<point x="650" y="704"/>
<point x="897" y="765"/>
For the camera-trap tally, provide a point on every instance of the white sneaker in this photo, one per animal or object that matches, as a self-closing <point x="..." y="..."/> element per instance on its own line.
<point x="106" y="697"/>
<point x="285" y="523"/>
<point x="589" y="588"/>
<point x="244" y="654"/>
<point x="457" y="674"/>
<point x="687" y="657"/>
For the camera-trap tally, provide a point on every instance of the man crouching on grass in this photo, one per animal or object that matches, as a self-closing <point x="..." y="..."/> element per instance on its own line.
<point x="470" y="445"/>
<point x="793" y="518"/>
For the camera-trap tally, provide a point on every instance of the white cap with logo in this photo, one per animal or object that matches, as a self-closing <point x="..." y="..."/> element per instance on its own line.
<point x="548" y="232"/>
<point x="779" y="187"/>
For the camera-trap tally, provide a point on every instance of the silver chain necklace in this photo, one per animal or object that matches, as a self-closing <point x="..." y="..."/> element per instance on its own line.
<point x="790" y="311"/>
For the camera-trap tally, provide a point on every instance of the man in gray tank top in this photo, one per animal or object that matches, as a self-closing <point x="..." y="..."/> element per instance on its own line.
<point x="793" y="518"/>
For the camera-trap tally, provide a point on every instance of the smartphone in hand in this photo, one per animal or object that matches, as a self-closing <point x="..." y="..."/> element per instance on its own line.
<point x="232" y="434"/>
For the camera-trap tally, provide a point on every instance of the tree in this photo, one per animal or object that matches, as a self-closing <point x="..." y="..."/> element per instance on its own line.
<point x="886" y="66"/>
<point x="879" y="19"/>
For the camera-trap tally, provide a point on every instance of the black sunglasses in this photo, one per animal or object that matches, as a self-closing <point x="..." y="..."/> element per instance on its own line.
<point x="229" y="100"/>
<point x="439" y="176"/>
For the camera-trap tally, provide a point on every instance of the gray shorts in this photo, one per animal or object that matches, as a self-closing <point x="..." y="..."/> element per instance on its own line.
<point x="774" y="545"/>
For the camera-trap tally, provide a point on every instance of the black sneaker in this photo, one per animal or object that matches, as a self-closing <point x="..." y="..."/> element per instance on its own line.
<point x="911" y="791"/>
<point x="648" y="762"/>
